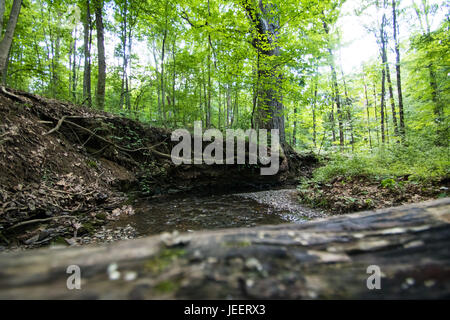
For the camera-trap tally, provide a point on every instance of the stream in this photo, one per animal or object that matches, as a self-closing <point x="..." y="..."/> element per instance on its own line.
<point x="187" y="213"/>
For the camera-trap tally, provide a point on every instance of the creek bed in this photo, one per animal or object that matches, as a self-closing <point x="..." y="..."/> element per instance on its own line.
<point x="189" y="213"/>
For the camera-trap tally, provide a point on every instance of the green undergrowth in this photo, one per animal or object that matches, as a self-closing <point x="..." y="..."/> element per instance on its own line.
<point x="396" y="175"/>
<point x="416" y="163"/>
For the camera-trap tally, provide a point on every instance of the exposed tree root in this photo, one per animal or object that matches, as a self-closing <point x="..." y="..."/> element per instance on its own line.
<point x="24" y="223"/>
<point x="93" y="134"/>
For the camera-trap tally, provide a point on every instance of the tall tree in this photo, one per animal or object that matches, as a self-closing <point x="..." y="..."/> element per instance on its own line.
<point x="382" y="40"/>
<point x="391" y="98"/>
<point x="101" y="80"/>
<point x="5" y="43"/>
<point x="367" y="111"/>
<point x="263" y="18"/>
<point x="87" y="25"/>
<point x="398" y="68"/>
<point x="335" y="85"/>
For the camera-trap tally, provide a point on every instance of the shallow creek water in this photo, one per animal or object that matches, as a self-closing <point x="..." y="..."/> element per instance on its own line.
<point x="206" y="212"/>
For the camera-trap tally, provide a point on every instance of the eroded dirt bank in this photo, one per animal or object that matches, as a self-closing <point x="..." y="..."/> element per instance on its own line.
<point x="66" y="171"/>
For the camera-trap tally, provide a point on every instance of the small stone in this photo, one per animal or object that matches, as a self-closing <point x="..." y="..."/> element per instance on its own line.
<point x="414" y="244"/>
<point x="429" y="283"/>
<point x="115" y="275"/>
<point x="212" y="260"/>
<point x="249" y="283"/>
<point x="197" y="254"/>
<point x="112" y="267"/>
<point x="253" y="263"/>
<point x="130" y="276"/>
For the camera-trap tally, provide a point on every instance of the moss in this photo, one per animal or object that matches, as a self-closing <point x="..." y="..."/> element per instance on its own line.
<point x="92" y="164"/>
<point x="58" y="241"/>
<point x="87" y="227"/>
<point x="167" y="286"/>
<point x="238" y="244"/>
<point x="163" y="260"/>
<point x="131" y="198"/>
<point x="101" y="216"/>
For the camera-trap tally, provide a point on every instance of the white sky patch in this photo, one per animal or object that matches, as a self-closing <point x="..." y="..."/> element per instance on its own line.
<point x="359" y="46"/>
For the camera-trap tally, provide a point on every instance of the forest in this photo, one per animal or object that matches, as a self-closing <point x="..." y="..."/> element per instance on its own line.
<point x="358" y="90"/>
<point x="235" y="64"/>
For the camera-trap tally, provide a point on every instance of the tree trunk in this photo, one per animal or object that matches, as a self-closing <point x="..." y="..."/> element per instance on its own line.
<point x="87" y="96"/>
<point x="392" y="100"/>
<point x="163" y="89"/>
<point x="383" y="76"/>
<point x="55" y="48"/>
<point x="314" y="114"/>
<point x="208" y="101"/>
<point x="73" y="89"/>
<point x="348" y="106"/>
<point x="376" y="112"/>
<point x="368" y="113"/>
<point x="294" y="134"/>
<point x="270" y="106"/>
<point x="101" y="81"/>
<point x="398" y="69"/>
<point x="2" y="14"/>
<point x="158" y="89"/>
<point x="335" y="87"/>
<point x="438" y="107"/>
<point x="332" y="120"/>
<point x="124" y="84"/>
<point x="128" y="82"/>
<point x="5" y="43"/>
<point x="227" y="123"/>
<point x="325" y="259"/>
<point x="174" y="76"/>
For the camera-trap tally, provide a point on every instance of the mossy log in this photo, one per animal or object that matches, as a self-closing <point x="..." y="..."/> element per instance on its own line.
<point x="326" y="258"/>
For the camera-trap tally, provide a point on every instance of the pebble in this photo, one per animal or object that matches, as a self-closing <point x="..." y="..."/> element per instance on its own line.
<point x="284" y="199"/>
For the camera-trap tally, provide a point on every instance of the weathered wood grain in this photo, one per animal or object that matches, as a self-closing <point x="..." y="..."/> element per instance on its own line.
<point x="326" y="258"/>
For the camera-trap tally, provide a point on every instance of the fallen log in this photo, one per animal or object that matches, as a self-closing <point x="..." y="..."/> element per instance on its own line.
<point x="327" y="258"/>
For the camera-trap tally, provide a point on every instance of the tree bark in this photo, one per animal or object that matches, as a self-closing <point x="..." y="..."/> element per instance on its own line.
<point x="335" y="87"/>
<point x="73" y="88"/>
<point x="2" y="14"/>
<point x="163" y="89"/>
<point x="5" y="43"/>
<point x="392" y="100"/>
<point x="87" y="96"/>
<point x="314" y="114"/>
<point x="368" y="113"/>
<point x="270" y="105"/>
<point x="348" y="105"/>
<point x="101" y="81"/>
<point x="398" y="69"/>
<point x="383" y="76"/>
<point x="294" y="134"/>
<point x="158" y="89"/>
<point x="126" y="38"/>
<point x="376" y="111"/>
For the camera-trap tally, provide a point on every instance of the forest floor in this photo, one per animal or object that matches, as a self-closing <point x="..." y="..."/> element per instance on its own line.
<point x="67" y="171"/>
<point x="347" y="194"/>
